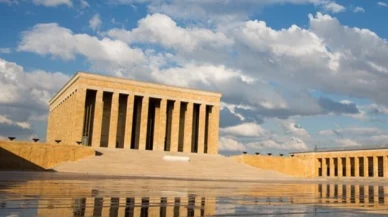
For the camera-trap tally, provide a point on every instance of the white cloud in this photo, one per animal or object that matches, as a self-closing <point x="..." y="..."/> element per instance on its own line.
<point x="95" y="22"/>
<point x="229" y="144"/>
<point x="334" y="7"/>
<point x="5" y="50"/>
<point x="161" y="29"/>
<point x="238" y="60"/>
<point x="291" y="128"/>
<point x="224" y="11"/>
<point x="84" y="4"/>
<point x="5" y="120"/>
<point x="358" y="10"/>
<point x="105" y="54"/>
<point x="347" y="143"/>
<point x="383" y="4"/>
<point x="292" y="144"/>
<point x="53" y="3"/>
<point x="24" y="96"/>
<point x="352" y="131"/>
<point x="244" y="129"/>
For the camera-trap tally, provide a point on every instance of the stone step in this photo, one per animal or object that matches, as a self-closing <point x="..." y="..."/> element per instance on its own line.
<point x="123" y="162"/>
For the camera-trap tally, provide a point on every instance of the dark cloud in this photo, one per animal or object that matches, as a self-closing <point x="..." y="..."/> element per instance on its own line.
<point x="336" y="107"/>
<point x="7" y="130"/>
<point x="227" y="118"/>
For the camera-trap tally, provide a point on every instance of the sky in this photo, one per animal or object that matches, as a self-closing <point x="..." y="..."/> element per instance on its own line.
<point x="294" y="74"/>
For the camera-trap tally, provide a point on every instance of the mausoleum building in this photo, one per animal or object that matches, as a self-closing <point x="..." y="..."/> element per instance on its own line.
<point x="103" y="111"/>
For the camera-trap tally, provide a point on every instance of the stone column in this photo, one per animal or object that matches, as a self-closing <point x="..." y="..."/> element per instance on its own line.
<point x="89" y="206"/>
<point x="121" y="211"/>
<point x="356" y="166"/>
<point x="385" y="164"/>
<point x="128" y="122"/>
<point x="366" y="167"/>
<point x="339" y="164"/>
<point x="143" y="123"/>
<point x="324" y="167"/>
<point x="188" y="128"/>
<point x="114" y="114"/>
<point x="340" y="191"/>
<point x="97" y="122"/>
<point x="162" y="124"/>
<point x="375" y="167"/>
<point x="201" y="128"/>
<point x="79" y="114"/>
<point x="332" y="168"/>
<point x="175" y="126"/>
<point x="214" y="121"/>
<point x="348" y="167"/>
<point x="170" y="206"/>
<point x="155" y="136"/>
<point x="357" y="193"/>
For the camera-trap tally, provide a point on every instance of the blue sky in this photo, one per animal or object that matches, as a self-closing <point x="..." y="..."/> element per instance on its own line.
<point x="293" y="73"/>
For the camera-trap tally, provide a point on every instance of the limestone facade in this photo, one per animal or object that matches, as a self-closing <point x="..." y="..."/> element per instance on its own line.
<point x="368" y="163"/>
<point x="102" y="111"/>
<point x="350" y="163"/>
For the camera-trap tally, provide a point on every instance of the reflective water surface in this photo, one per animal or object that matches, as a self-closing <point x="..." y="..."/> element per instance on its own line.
<point x="34" y="194"/>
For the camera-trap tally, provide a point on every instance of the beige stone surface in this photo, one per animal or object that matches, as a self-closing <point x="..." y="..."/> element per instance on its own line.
<point x="288" y="165"/>
<point x="39" y="156"/>
<point x="141" y="163"/>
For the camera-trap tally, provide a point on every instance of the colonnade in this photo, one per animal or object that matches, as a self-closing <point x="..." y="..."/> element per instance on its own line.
<point x="132" y="121"/>
<point x="352" y="166"/>
<point x="352" y="194"/>
<point x="133" y="207"/>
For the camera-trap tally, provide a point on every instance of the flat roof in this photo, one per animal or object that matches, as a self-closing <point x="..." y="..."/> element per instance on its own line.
<point x="130" y="82"/>
<point x="364" y="148"/>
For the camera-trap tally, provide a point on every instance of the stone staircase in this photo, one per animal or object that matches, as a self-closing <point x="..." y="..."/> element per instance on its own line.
<point x="140" y="163"/>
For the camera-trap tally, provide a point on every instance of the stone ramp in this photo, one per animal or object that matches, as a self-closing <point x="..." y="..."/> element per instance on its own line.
<point x="136" y="163"/>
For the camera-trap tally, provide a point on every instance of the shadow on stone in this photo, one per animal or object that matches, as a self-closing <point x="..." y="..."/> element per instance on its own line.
<point x="10" y="161"/>
<point x="98" y="153"/>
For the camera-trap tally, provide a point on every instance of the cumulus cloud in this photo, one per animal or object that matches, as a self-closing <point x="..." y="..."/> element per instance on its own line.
<point x="161" y="29"/>
<point x="240" y="60"/>
<point x="292" y="144"/>
<point x="352" y="131"/>
<point x="53" y="3"/>
<point x="358" y="10"/>
<point x="105" y="54"/>
<point x="244" y="129"/>
<point x="24" y="98"/>
<point x="229" y="144"/>
<point x="222" y="11"/>
<point x="95" y="22"/>
<point x="334" y="7"/>
<point x="291" y="128"/>
<point x="356" y="136"/>
<point x="347" y="143"/>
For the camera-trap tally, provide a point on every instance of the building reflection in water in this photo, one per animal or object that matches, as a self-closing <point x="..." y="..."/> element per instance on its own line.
<point x="131" y="207"/>
<point x="357" y="198"/>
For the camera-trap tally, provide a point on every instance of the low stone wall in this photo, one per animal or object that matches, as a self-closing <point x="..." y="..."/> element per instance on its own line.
<point x="17" y="155"/>
<point x="295" y="166"/>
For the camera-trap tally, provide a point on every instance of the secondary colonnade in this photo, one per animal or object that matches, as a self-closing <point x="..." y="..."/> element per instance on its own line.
<point x="352" y="166"/>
